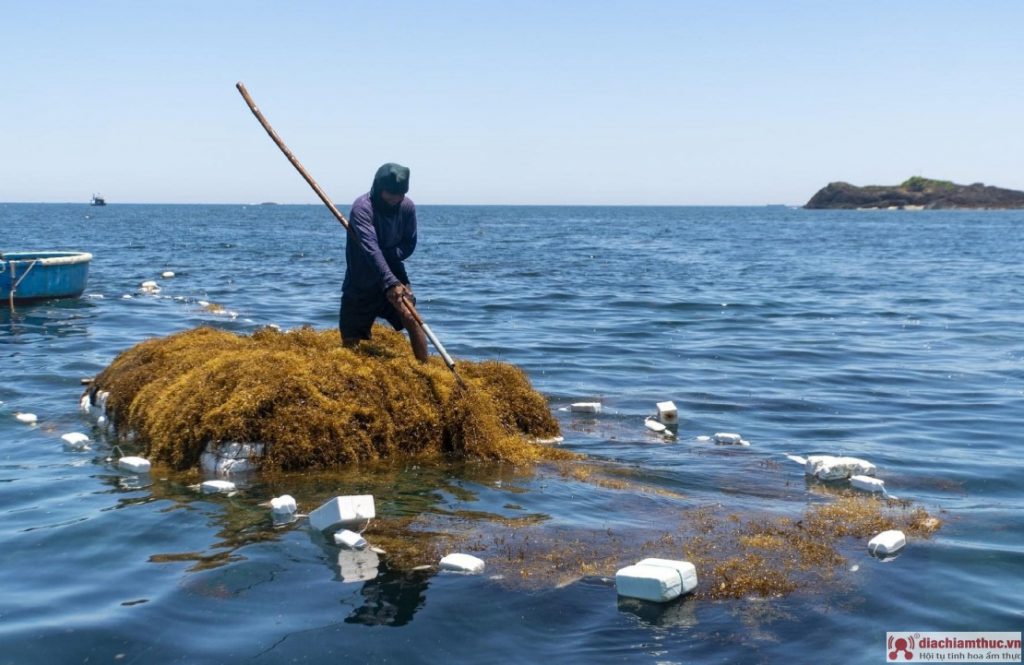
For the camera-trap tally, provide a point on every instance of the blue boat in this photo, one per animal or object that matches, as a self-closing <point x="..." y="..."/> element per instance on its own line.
<point x="42" y="275"/>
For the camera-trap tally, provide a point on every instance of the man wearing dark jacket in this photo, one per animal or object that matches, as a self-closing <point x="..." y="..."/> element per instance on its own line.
<point x="384" y="225"/>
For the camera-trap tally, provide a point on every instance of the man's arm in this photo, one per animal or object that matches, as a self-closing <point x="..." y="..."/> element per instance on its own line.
<point x="407" y="246"/>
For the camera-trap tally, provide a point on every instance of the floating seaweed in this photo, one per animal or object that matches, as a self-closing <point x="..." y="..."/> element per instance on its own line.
<point x="316" y="404"/>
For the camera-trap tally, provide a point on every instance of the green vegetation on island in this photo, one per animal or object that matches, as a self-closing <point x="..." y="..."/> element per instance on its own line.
<point x="915" y="193"/>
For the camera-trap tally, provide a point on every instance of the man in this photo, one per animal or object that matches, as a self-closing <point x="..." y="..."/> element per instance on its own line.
<point x="384" y="226"/>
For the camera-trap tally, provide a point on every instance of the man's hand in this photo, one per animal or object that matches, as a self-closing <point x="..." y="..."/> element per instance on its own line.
<point x="396" y="294"/>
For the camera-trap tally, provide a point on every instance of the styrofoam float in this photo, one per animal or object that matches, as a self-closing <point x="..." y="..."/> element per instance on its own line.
<point x="343" y="510"/>
<point x="585" y="407"/>
<point x="656" y="580"/>
<point x="75" y="440"/>
<point x="232" y="458"/>
<point x="887" y="542"/>
<point x="283" y="505"/>
<point x="134" y="464"/>
<point x="655" y="426"/>
<point x="830" y="467"/>
<point x="462" y="563"/>
<point x="27" y="418"/>
<point x="350" y="540"/>
<point x="217" y="486"/>
<point x="867" y="483"/>
<point x="668" y="414"/>
<point x="728" y="438"/>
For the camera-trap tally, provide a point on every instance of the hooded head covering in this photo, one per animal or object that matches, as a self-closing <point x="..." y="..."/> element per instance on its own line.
<point x="391" y="177"/>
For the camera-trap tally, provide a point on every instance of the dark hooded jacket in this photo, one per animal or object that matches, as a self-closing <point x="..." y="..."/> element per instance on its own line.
<point x="384" y="236"/>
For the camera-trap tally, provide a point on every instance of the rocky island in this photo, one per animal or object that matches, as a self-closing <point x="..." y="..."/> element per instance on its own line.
<point x="916" y="193"/>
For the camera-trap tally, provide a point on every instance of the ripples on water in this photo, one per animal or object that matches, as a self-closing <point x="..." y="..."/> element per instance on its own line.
<point x="893" y="336"/>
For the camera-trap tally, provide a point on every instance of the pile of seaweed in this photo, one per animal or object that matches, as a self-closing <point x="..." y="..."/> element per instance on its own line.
<point x="315" y="404"/>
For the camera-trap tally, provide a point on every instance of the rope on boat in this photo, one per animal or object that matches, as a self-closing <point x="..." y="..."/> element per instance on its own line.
<point x="15" y="284"/>
<point x="24" y="275"/>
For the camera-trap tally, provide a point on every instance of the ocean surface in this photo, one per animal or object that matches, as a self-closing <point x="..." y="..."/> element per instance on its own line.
<point x="893" y="336"/>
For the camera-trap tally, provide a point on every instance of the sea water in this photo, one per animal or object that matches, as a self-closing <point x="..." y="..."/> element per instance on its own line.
<point x="892" y="336"/>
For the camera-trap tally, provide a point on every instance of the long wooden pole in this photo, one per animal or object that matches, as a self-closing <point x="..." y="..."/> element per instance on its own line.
<point x="410" y="308"/>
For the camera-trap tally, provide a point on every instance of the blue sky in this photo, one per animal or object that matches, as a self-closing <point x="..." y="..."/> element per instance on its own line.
<point x="633" y="102"/>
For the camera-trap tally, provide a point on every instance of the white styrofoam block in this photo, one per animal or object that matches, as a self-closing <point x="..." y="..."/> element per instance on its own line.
<point x="867" y="483"/>
<point x="658" y="584"/>
<point x="687" y="571"/>
<point x="167" y="274"/>
<point x="802" y="461"/>
<point x="462" y="563"/>
<point x="357" y="565"/>
<point x="214" y="486"/>
<point x="585" y="407"/>
<point x="134" y="464"/>
<point x="830" y="467"/>
<point x="550" y="440"/>
<point x="232" y="458"/>
<point x="728" y="438"/>
<point x="341" y="510"/>
<point x="75" y="440"/>
<point x="887" y="542"/>
<point x="654" y="426"/>
<point x="703" y="439"/>
<point x="27" y="418"/>
<point x="283" y="504"/>
<point x="350" y="539"/>
<point x="668" y="413"/>
<point x="84" y="403"/>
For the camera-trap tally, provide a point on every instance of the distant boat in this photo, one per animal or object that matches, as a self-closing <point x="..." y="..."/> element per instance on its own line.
<point x="42" y="275"/>
<point x="98" y="200"/>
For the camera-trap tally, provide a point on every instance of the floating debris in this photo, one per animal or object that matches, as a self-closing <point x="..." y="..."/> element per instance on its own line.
<point x="27" y="418"/>
<point x="315" y="404"/>
<point x="343" y="510"/>
<point x="167" y="274"/>
<point x="728" y="438"/>
<point x="462" y="563"/>
<point x="217" y="486"/>
<point x="283" y="505"/>
<point x="668" y="414"/>
<point x="134" y="464"/>
<point x="867" y="483"/>
<point x="226" y="459"/>
<point x="656" y="580"/>
<point x="350" y="540"/>
<point x="149" y="287"/>
<point x="887" y="542"/>
<point x="655" y="426"/>
<point x="76" y="441"/>
<point x="829" y="467"/>
<point x="585" y="407"/>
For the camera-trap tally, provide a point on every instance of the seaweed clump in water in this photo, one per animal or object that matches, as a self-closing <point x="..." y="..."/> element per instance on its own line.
<point x="315" y="404"/>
